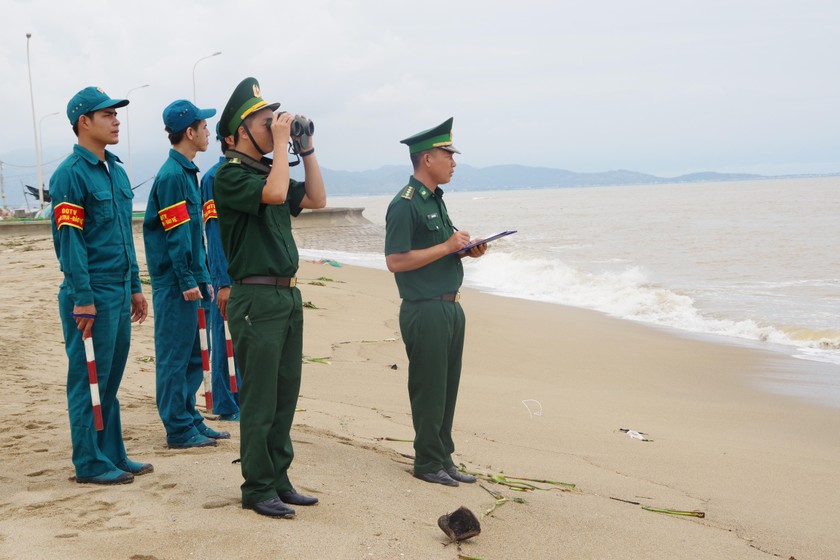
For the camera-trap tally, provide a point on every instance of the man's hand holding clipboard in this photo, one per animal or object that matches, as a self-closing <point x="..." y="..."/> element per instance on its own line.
<point x="479" y="242"/>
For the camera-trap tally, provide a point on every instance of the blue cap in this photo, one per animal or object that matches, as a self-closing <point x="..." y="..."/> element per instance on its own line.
<point x="218" y="132"/>
<point x="89" y="100"/>
<point x="180" y="114"/>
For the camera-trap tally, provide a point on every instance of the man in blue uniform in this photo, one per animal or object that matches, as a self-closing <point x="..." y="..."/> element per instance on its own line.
<point x="101" y="294"/>
<point x="255" y="199"/>
<point x="424" y="251"/>
<point x="177" y="264"/>
<point x="225" y="401"/>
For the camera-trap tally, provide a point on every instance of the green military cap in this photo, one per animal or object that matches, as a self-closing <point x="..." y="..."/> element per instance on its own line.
<point x="437" y="137"/>
<point x="246" y="99"/>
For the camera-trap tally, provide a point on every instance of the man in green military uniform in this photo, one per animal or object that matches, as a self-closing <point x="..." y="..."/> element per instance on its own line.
<point x="101" y="294"/>
<point x="255" y="199"/>
<point x="424" y="251"/>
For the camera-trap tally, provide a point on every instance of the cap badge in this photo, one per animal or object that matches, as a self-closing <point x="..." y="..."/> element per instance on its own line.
<point x="256" y="89"/>
<point x="100" y="90"/>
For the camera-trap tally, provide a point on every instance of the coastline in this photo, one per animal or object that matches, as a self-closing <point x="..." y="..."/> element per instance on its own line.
<point x="761" y="466"/>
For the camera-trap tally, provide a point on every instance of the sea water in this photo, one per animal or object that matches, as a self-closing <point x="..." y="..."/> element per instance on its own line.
<point x="747" y="260"/>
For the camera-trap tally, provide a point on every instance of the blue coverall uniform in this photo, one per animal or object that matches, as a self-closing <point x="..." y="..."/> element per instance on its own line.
<point x="92" y="235"/>
<point x="225" y="402"/>
<point x="177" y="261"/>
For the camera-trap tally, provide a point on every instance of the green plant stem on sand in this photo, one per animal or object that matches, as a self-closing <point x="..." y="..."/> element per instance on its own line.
<point x="308" y="360"/>
<point x="520" y="484"/>
<point x="699" y="514"/>
<point x="500" y="500"/>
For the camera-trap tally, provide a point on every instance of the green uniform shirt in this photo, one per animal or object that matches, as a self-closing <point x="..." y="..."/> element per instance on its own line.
<point x="92" y="223"/>
<point x="417" y="219"/>
<point x="256" y="237"/>
<point x="172" y="227"/>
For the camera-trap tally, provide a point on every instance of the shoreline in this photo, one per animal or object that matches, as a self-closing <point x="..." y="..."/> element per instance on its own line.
<point x="821" y="387"/>
<point x="761" y="466"/>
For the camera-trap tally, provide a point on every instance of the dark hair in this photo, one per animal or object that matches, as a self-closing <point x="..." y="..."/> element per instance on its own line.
<point x="176" y="137"/>
<point x="76" y="125"/>
<point x="417" y="157"/>
<point x="223" y="145"/>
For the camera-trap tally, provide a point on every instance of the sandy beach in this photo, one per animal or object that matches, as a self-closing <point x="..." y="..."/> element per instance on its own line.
<point x="545" y="393"/>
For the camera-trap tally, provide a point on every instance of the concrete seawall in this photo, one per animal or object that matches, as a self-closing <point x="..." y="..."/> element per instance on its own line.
<point x="324" y="218"/>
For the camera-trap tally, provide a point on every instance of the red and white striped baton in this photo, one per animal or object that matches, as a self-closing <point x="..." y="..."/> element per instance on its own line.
<point x="231" y="364"/>
<point x="205" y="360"/>
<point x="94" y="385"/>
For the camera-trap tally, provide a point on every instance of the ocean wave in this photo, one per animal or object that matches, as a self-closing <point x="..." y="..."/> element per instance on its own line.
<point x="629" y="294"/>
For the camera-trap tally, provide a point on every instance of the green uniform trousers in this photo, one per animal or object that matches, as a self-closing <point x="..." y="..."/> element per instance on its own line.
<point x="266" y="324"/>
<point x="433" y="332"/>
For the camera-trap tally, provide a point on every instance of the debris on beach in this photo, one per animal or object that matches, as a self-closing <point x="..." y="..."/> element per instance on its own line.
<point x="518" y="483"/>
<point x="310" y="305"/>
<point x="331" y="262"/>
<point x="641" y="436"/>
<point x="325" y="360"/>
<point x="459" y="525"/>
<point x="500" y="500"/>
<point x="694" y="513"/>
<point x="394" y="366"/>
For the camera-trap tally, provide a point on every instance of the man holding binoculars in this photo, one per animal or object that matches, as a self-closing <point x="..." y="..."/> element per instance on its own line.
<point x="255" y="199"/>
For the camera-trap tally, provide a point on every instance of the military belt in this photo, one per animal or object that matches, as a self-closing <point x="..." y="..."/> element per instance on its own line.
<point x="455" y="296"/>
<point x="268" y="281"/>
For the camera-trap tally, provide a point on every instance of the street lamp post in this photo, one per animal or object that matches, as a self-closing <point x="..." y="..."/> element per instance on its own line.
<point x="195" y="100"/>
<point x="34" y="127"/>
<point x="128" y="135"/>
<point x="41" y="134"/>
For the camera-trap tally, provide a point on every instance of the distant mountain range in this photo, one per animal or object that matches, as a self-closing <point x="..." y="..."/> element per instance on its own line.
<point x="389" y="178"/>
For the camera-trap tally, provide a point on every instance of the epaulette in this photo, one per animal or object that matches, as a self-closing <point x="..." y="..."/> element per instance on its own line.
<point x="234" y="161"/>
<point x="408" y="192"/>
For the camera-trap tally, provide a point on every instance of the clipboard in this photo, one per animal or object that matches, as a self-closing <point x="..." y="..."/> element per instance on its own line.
<point x="483" y="241"/>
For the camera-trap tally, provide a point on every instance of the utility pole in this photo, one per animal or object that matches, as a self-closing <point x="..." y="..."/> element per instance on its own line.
<point x="2" y="186"/>
<point x="35" y="128"/>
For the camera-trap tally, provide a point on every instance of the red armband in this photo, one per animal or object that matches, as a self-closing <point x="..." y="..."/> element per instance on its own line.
<point x="66" y="214"/>
<point x="210" y="210"/>
<point x="175" y="215"/>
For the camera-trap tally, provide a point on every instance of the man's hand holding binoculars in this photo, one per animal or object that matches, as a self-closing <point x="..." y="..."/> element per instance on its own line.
<point x="285" y="126"/>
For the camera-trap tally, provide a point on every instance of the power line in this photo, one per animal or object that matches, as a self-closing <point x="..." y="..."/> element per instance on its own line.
<point x="34" y="166"/>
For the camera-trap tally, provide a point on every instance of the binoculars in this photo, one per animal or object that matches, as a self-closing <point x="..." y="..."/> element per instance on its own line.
<point x="302" y="129"/>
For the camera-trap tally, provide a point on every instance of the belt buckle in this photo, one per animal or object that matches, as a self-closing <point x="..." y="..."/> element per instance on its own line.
<point x="292" y="281"/>
<point x="457" y="297"/>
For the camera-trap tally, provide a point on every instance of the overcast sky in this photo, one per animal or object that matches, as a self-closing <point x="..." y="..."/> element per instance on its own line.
<point x="663" y="87"/>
